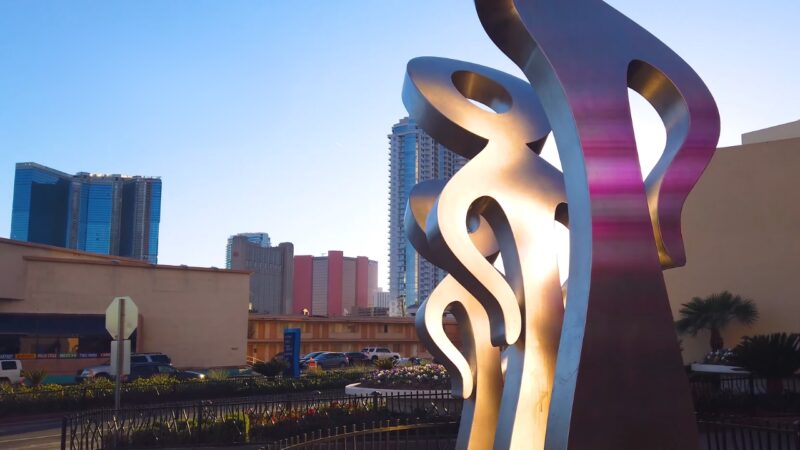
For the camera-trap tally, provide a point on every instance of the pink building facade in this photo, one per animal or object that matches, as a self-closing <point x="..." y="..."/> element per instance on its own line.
<point x="333" y="285"/>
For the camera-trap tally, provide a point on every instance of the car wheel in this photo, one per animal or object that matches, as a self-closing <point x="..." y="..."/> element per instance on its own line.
<point x="5" y="381"/>
<point x="374" y="358"/>
<point x="342" y="365"/>
<point x="103" y="375"/>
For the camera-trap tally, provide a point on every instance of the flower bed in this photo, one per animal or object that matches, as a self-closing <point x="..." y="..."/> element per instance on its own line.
<point x="427" y="377"/>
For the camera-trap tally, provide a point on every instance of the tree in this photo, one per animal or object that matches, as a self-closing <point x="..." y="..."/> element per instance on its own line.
<point x="774" y="355"/>
<point x="401" y="303"/>
<point x="714" y="313"/>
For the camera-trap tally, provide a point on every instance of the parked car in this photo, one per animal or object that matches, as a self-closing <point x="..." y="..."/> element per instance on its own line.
<point x="138" y="358"/>
<point x="10" y="371"/>
<point x="330" y="360"/>
<point x="148" y="370"/>
<point x="308" y="356"/>
<point x="376" y="353"/>
<point x="357" y="358"/>
<point x="410" y="361"/>
<point x="106" y="371"/>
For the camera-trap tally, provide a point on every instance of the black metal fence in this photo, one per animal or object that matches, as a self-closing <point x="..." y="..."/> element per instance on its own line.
<point x="387" y="435"/>
<point x="745" y="394"/>
<point x="250" y="422"/>
<point x="749" y="434"/>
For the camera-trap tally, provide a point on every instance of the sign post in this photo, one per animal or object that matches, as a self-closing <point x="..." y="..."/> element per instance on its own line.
<point x="291" y="351"/>
<point x="122" y="317"/>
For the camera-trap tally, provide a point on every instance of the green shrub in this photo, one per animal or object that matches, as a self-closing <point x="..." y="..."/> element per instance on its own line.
<point x="385" y="364"/>
<point x="156" y="434"/>
<point x="98" y="383"/>
<point x="774" y="355"/>
<point x="160" y="380"/>
<point x="271" y="368"/>
<point x="99" y="393"/>
<point x="218" y="375"/>
<point x="34" y="378"/>
<point x="232" y="429"/>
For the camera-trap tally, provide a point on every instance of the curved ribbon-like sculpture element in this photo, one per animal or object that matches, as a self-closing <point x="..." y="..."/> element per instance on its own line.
<point x="476" y="375"/>
<point x="619" y="380"/>
<point x="519" y="195"/>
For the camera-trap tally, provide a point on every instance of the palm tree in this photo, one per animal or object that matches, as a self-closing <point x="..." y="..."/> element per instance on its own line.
<point x="714" y="313"/>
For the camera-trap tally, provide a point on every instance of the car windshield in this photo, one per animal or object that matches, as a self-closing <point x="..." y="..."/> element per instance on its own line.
<point x="312" y="355"/>
<point x="160" y="359"/>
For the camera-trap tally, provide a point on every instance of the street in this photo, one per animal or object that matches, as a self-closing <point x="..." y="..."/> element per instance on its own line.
<point x="31" y="433"/>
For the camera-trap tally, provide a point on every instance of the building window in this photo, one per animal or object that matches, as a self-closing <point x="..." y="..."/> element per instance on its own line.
<point x="54" y="336"/>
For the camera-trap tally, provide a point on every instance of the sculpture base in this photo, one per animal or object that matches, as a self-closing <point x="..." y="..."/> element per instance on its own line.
<point x="357" y="389"/>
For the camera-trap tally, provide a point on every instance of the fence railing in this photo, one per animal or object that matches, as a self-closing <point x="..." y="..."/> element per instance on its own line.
<point x="745" y="394"/>
<point x="386" y="435"/>
<point x="252" y="422"/>
<point x="749" y="434"/>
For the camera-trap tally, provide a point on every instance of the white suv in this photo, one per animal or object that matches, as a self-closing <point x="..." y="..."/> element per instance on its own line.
<point x="10" y="371"/>
<point x="376" y="353"/>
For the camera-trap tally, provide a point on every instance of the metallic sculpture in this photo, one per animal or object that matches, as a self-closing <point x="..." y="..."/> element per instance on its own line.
<point x="508" y="189"/>
<point x="603" y="372"/>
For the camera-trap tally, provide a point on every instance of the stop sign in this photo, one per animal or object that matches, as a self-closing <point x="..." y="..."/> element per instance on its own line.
<point x="129" y="322"/>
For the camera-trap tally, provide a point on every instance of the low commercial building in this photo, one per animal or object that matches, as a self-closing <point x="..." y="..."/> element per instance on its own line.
<point x="338" y="334"/>
<point x="53" y="301"/>
<point x="740" y="229"/>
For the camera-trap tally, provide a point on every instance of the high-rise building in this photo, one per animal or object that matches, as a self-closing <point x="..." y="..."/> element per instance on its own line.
<point x="272" y="271"/>
<point x="100" y="213"/>
<point x="261" y="239"/>
<point x="333" y="285"/>
<point x="383" y="298"/>
<point x="414" y="156"/>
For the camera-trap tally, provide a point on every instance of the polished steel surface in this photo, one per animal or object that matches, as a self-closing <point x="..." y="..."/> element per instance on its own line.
<point x="514" y="196"/>
<point x="480" y="389"/>
<point x="601" y="370"/>
<point x="619" y="379"/>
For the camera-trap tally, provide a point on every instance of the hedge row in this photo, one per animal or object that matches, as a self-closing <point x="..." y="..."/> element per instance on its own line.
<point x="100" y="393"/>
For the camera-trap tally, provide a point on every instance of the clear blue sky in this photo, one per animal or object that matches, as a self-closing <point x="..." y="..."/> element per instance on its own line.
<point x="272" y="116"/>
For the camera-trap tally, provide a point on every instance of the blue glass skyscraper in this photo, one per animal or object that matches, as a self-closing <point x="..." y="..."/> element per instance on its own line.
<point x="108" y="214"/>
